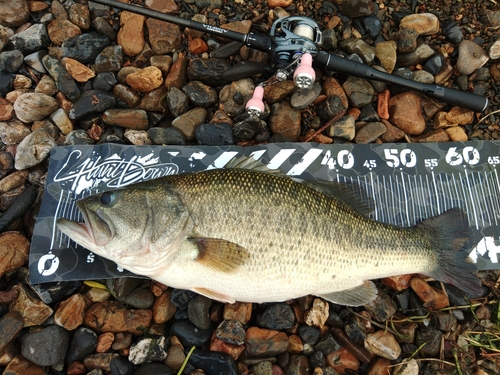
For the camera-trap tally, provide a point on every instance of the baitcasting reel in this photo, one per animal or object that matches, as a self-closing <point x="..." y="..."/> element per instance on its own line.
<point x="294" y="43"/>
<point x="296" y="40"/>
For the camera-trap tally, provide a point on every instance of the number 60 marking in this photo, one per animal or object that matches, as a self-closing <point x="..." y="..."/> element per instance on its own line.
<point x="469" y="154"/>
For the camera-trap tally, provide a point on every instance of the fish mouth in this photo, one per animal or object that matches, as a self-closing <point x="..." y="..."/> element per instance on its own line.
<point x="96" y="231"/>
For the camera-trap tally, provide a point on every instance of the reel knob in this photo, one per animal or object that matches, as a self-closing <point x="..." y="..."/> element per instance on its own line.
<point x="304" y="75"/>
<point x="255" y="106"/>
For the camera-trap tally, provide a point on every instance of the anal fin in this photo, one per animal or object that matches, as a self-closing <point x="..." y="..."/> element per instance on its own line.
<point x="220" y="255"/>
<point x="357" y="296"/>
<point x="214" y="295"/>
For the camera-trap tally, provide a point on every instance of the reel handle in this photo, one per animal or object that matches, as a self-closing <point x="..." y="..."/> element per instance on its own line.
<point x="464" y="99"/>
<point x="256" y="105"/>
<point x="304" y="75"/>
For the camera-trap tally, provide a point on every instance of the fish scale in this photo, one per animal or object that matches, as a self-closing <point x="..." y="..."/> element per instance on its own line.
<point x="248" y="235"/>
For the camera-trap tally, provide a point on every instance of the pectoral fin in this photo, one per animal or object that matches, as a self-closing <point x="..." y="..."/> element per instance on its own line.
<point x="220" y="255"/>
<point x="357" y="296"/>
<point x="214" y="295"/>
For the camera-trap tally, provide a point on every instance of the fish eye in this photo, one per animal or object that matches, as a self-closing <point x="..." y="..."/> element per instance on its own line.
<point x="107" y="198"/>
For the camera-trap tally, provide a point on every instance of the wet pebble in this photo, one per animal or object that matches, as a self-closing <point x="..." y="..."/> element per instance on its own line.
<point x="166" y="136"/>
<point x="46" y="347"/>
<point x="198" y="311"/>
<point x="213" y="363"/>
<point x="14" y="13"/>
<point x="20" y="365"/>
<point x="327" y="344"/>
<point x="140" y="298"/>
<point x="359" y="91"/>
<point x="99" y="361"/>
<point x="233" y="97"/>
<point x="199" y="94"/>
<point x="145" y="80"/>
<point x="109" y="60"/>
<point x="382" y="308"/>
<point x="11" y="325"/>
<point x="32" y="106"/>
<point x="83" y="343"/>
<point x="136" y="119"/>
<point x="148" y="349"/>
<point x="285" y="120"/>
<point x="210" y="72"/>
<point x="470" y="57"/>
<point x="164" y="37"/>
<point x="189" y="121"/>
<point x="432" y="339"/>
<point x="181" y="297"/>
<point x="265" y="342"/>
<point x="406" y="114"/>
<point x="432" y="298"/>
<point x="215" y="134"/>
<point x="384" y="344"/>
<point x="342" y="361"/>
<point x="104" y="81"/>
<point x="110" y="316"/>
<point x="370" y="132"/>
<point x="302" y="98"/>
<point x="121" y="366"/>
<point x="153" y="368"/>
<point x="423" y="23"/>
<point x="6" y="83"/>
<point x="189" y="334"/>
<point x="278" y="316"/>
<point x="231" y="331"/>
<point x="59" y="30"/>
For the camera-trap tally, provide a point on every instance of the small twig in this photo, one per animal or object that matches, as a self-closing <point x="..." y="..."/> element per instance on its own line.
<point x="491" y="113"/>
<point x="457" y="363"/>
<point x="424" y="360"/>
<point x="320" y="130"/>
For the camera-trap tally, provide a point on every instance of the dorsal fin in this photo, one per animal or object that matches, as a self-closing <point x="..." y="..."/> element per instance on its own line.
<point x="249" y="163"/>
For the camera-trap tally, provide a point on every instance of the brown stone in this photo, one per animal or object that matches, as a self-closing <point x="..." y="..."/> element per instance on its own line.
<point x="163" y="308"/>
<point x="59" y="30"/>
<point x="440" y="121"/>
<point x="151" y="101"/>
<point x="76" y="368"/>
<point x="221" y="117"/>
<point x="126" y="94"/>
<point x="177" y="74"/>
<point x="383" y="344"/>
<point x="46" y="85"/>
<point x="30" y="107"/>
<point x="12" y="133"/>
<point x="386" y="53"/>
<point x="265" y="342"/>
<point x="175" y="357"/>
<point x="70" y="313"/>
<point x="58" y="11"/>
<point x="79" y="14"/>
<point x="145" y="80"/>
<point x="438" y="135"/>
<point x="342" y="360"/>
<point x="397" y="283"/>
<point x="6" y="110"/>
<point x="97" y="295"/>
<point x="332" y="87"/>
<point x="318" y="314"/>
<point x="10" y="325"/>
<point x="21" y="82"/>
<point x="14" y="247"/>
<point x="8" y="353"/>
<point x="423" y="23"/>
<point x="380" y="366"/>
<point x="433" y="299"/>
<point x="20" y="365"/>
<point x="285" y="120"/>
<point x="37" y="6"/>
<point x="33" y="311"/>
<point x="99" y="361"/>
<point x="457" y="134"/>
<point x="189" y="121"/>
<point x="471" y="57"/>
<point x="277" y="92"/>
<point x="279" y="3"/>
<point x="104" y="342"/>
<point x="164" y="6"/>
<point x="370" y="132"/>
<point x="162" y="62"/>
<point x="406" y="114"/>
<point x="240" y="311"/>
<point x="383" y="104"/>
<point x="136" y="119"/>
<point x="198" y="46"/>
<point x="111" y="316"/>
<point x="77" y="70"/>
<point x="122" y="340"/>
<point x="14" y="13"/>
<point x="460" y="116"/>
<point x="131" y="33"/>
<point x="392" y="134"/>
<point x="164" y="37"/>
<point x="295" y="345"/>
<point x="217" y="345"/>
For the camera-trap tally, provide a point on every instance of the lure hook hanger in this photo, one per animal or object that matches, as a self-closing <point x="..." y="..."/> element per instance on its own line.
<point x="297" y="37"/>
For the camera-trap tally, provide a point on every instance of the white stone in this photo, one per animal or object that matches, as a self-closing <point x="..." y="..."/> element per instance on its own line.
<point x="62" y="121"/>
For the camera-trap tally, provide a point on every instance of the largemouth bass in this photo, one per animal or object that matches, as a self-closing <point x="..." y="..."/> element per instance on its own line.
<point x="244" y="234"/>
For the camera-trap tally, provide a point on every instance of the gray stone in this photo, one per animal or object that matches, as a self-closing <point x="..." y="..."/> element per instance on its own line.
<point x="343" y="128"/>
<point x="64" y="82"/>
<point x="46" y="347"/>
<point x="198" y="311"/>
<point x="177" y="101"/>
<point x="109" y="60"/>
<point x="360" y="48"/>
<point x="85" y="48"/>
<point x="302" y="98"/>
<point x="418" y="56"/>
<point x="370" y="132"/>
<point x="199" y="94"/>
<point x="35" y="60"/>
<point x="11" y="61"/>
<point x="359" y="91"/>
<point x="166" y="136"/>
<point x="31" y="40"/>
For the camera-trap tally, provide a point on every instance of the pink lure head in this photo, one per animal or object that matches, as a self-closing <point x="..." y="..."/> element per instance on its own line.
<point x="304" y="75"/>
<point x="256" y="104"/>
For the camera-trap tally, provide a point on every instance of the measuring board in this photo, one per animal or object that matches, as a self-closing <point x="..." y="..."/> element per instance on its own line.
<point x="407" y="182"/>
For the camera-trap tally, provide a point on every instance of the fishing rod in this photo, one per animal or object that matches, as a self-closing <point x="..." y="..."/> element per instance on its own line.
<point x="294" y="44"/>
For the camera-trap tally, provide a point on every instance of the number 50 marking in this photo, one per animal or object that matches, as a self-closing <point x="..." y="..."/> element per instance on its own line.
<point x="394" y="158"/>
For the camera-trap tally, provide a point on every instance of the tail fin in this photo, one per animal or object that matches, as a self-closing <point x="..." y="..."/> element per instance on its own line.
<point x="451" y="232"/>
